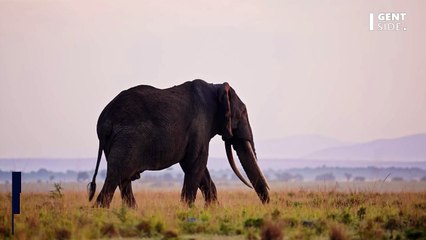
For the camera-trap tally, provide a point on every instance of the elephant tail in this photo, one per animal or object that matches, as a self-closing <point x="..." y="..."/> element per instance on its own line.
<point x="91" y="187"/>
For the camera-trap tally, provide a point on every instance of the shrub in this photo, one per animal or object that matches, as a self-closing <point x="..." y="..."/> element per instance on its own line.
<point x="159" y="226"/>
<point x="225" y="228"/>
<point x="414" y="234"/>
<point x="170" y="234"/>
<point x="253" y="222"/>
<point x="289" y="222"/>
<point x="275" y="214"/>
<point x="391" y="225"/>
<point x="361" y="213"/>
<point x="109" y="230"/>
<point x="121" y="214"/>
<point x="128" y="231"/>
<point x="370" y="230"/>
<point x="57" y="192"/>
<point x="346" y="217"/>
<point x="62" y="234"/>
<point x="338" y="233"/>
<point x="145" y="228"/>
<point x="271" y="231"/>
<point x="5" y="231"/>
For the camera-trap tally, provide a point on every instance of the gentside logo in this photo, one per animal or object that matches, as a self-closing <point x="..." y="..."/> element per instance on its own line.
<point x="388" y="21"/>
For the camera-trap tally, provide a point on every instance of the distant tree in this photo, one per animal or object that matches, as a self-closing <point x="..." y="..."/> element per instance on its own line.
<point x="82" y="176"/>
<point x="179" y="176"/>
<point x="42" y="171"/>
<point x="51" y="177"/>
<point x="348" y="176"/>
<point x="284" y="176"/>
<point x="325" y="177"/>
<point x="167" y="177"/>
<point x="423" y="179"/>
<point x="359" y="179"/>
<point x="397" y="179"/>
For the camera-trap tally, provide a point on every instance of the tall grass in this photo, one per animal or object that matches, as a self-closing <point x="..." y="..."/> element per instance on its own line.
<point x="295" y="214"/>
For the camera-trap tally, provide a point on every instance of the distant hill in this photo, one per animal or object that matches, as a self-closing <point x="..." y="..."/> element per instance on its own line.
<point x="296" y="146"/>
<point x="404" y="149"/>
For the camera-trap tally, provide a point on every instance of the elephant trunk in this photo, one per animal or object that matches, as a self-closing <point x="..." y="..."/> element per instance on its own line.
<point x="249" y="162"/>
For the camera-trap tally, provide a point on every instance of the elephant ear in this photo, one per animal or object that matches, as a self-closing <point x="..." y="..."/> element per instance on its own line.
<point x="225" y="110"/>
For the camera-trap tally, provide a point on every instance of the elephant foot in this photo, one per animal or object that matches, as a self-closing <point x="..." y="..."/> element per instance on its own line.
<point x="188" y="202"/>
<point x="188" y="198"/>
<point x="104" y="199"/>
<point x="101" y="204"/>
<point x="130" y="202"/>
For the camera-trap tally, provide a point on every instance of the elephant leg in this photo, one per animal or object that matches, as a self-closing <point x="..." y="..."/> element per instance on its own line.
<point x="107" y="192"/>
<point x="119" y="171"/>
<point x="194" y="171"/>
<point x="127" y="194"/>
<point x="189" y="189"/>
<point x="208" y="188"/>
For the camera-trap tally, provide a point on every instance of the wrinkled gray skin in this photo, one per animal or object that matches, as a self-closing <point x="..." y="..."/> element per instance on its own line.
<point x="145" y="128"/>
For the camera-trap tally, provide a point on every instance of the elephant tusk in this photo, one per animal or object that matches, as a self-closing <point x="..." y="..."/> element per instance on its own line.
<point x="232" y="163"/>
<point x="248" y="146"/>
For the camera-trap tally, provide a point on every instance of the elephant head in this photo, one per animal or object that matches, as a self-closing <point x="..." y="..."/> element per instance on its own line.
<point x="236" y="132"/>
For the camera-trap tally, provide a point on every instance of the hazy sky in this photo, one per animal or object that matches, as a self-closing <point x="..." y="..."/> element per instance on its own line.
<point x="301" y="67"/>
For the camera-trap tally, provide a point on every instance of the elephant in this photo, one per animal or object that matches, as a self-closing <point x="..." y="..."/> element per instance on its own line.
<point x="145" y="128"/>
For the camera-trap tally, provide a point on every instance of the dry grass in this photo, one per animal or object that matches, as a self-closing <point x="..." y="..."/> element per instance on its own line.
<point x="298" y="214"/>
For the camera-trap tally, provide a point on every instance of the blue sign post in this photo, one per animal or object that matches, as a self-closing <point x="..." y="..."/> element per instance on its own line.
<point x="16" y="196"/>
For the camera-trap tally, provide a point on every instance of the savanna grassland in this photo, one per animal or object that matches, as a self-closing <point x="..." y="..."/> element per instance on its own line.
<point x="303" y="213"/>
